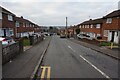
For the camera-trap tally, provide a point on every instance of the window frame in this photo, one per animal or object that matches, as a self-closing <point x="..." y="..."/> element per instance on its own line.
<point x="10" y="17"/>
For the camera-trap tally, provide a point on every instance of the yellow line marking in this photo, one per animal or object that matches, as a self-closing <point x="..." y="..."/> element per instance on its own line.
<point x="44" y="68"/>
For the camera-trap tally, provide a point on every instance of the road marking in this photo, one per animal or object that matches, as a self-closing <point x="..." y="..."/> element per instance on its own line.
<point x="44" y="68"/>
<point x="95" y="67"/>
<point x="71" y="49"/>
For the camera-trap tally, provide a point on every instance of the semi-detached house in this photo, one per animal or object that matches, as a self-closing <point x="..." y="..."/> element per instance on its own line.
<point x="24" y="27"/>
<point x="93" y="28"/>
<point x="7" y="25"/>
<point x="111" y="27"/>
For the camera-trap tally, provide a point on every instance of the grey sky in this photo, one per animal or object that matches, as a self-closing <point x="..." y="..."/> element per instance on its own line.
<point x="44" y="12"/>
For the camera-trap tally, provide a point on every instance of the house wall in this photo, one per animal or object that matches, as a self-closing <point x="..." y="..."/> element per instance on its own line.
<point x="93" y="32"/>
<point x="114" y="26"/>
<point x="9" y="26"/>
<point x="111" y="26"/>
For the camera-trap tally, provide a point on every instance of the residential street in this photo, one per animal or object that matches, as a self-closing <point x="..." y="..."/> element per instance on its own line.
<point x="70" y="60"/>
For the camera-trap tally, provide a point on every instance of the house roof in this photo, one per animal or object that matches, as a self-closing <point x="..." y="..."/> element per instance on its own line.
<point x="113" y="14"/>
<point x="21" y="19"/>
<point x="6" y="11"/>
<point x="95" y="21"/>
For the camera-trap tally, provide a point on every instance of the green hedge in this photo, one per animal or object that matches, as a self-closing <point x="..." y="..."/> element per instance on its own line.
<point x="107" y="44"/>
<point x="26" y="42"/>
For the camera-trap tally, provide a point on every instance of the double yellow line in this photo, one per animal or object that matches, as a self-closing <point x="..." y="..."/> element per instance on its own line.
<point x="44" y="68"/>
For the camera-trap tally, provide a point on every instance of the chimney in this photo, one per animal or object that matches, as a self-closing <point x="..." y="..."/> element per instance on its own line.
<point x="90" y="19"/>
<point x="22" y="17"/>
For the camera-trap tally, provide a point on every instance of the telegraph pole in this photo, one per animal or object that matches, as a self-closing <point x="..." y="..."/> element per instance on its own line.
<point x="66" y="27"/>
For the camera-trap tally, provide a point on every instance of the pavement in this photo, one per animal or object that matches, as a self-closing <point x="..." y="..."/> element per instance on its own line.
<point x="27" y="47"/>
<point x="67" y="59"/>
<point x="110" y="52"/>
<point x="24" y="64"/>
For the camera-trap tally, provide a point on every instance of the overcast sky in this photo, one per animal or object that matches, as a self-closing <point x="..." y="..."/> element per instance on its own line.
<point x="53" y="12"/>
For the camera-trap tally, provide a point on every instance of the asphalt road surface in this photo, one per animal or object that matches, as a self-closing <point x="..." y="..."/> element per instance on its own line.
<point x="66" y="59"/>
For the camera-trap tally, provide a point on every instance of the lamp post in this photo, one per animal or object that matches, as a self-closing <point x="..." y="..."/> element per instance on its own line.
<point x="66" y="27"/>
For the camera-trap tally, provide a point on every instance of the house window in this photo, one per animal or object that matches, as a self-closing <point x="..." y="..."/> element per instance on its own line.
<point x="30" y="25"/>
<point x="17" y="24"/>
<point x="91" y="26"/>
<point x="109" y="20"/>
<point x="0" y="15"/>
<point x="26" y="24"/>
<point x="33" y="25"/>
<point x="88" y="26"/>
<point x="106" y="33"/>
<point x="97" y="25"/>
<point x="23" y="24"/>
<point x="11" y="32"/>
<point x="1" y="32"/>
<point x="79" y="26"/>
<point x="10" y="18"/>
<point x="83" y="26"/>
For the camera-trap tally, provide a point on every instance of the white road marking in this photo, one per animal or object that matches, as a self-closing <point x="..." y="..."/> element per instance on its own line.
<point x="95" y="67"/>
<point x="92" y="65"/>
<point x="71" y="49"/>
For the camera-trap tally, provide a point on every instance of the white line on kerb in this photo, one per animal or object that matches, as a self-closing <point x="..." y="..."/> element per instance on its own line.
<point x="95" y="67"/>
<point x="71" y="49"/>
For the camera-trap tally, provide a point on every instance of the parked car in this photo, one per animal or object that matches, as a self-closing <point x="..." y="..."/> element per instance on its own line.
<point x="46" y="34"/>
<point x="7" y="41"/>
<point x="62" y="36"/>
<point x="36" y="34"/>
<point x="84" y="36"/>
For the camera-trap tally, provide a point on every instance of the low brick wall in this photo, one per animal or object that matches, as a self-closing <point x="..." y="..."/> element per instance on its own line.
<point x="34" y="40"/>
<point x="9" y="52"/>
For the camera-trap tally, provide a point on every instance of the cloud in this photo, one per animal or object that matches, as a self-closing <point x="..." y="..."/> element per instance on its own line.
<point x="54" y="13"/>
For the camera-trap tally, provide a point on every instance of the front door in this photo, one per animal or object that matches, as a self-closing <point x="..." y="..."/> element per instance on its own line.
<point x="112" y="37"/>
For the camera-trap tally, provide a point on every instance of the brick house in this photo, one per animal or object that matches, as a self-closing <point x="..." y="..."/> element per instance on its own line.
<point x="37" y="29"/>
<point x="7" y="24"/>
<point x="11" y="25"/>
<point x="24" y="27"/>
<point x="111" y="27"/>
<point x="93" y="28"/>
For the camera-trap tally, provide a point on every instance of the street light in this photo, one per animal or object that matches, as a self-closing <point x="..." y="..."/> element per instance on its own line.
<point x="66" y="26"/>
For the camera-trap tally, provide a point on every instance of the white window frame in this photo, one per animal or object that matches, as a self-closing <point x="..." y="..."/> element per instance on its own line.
<point x="10" y="17"/>
<point x="109" y="20"/>
<point x="17" y="24"/>
<point x="91" y="26"/>
<point x="80" y="26"/>
<point x="23" y="24"/>
<point x="98" y="25"/>
<point x="0" y="15"/>
<point x="106" y="33"/>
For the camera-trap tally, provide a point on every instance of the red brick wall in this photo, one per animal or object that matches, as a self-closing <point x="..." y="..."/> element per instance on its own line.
<point x="6" y="23"/>
<point x="111" y="26"/>
<point x="115" y="25"/>
<point x="94" y="30"/>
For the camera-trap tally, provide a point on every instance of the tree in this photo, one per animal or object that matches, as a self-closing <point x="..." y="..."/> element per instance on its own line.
<point x="77" y="30"/>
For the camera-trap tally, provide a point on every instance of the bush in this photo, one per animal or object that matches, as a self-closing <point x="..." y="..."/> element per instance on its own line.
<point x="105" y="44"/>
<point x="26" y="42"/>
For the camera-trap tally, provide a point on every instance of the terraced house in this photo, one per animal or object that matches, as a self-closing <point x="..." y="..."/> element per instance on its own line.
<point x="7" y="24"/>
<point x="23" y="27"/>
<point x="111" y="27"/>
<point x="13" y="26"/>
